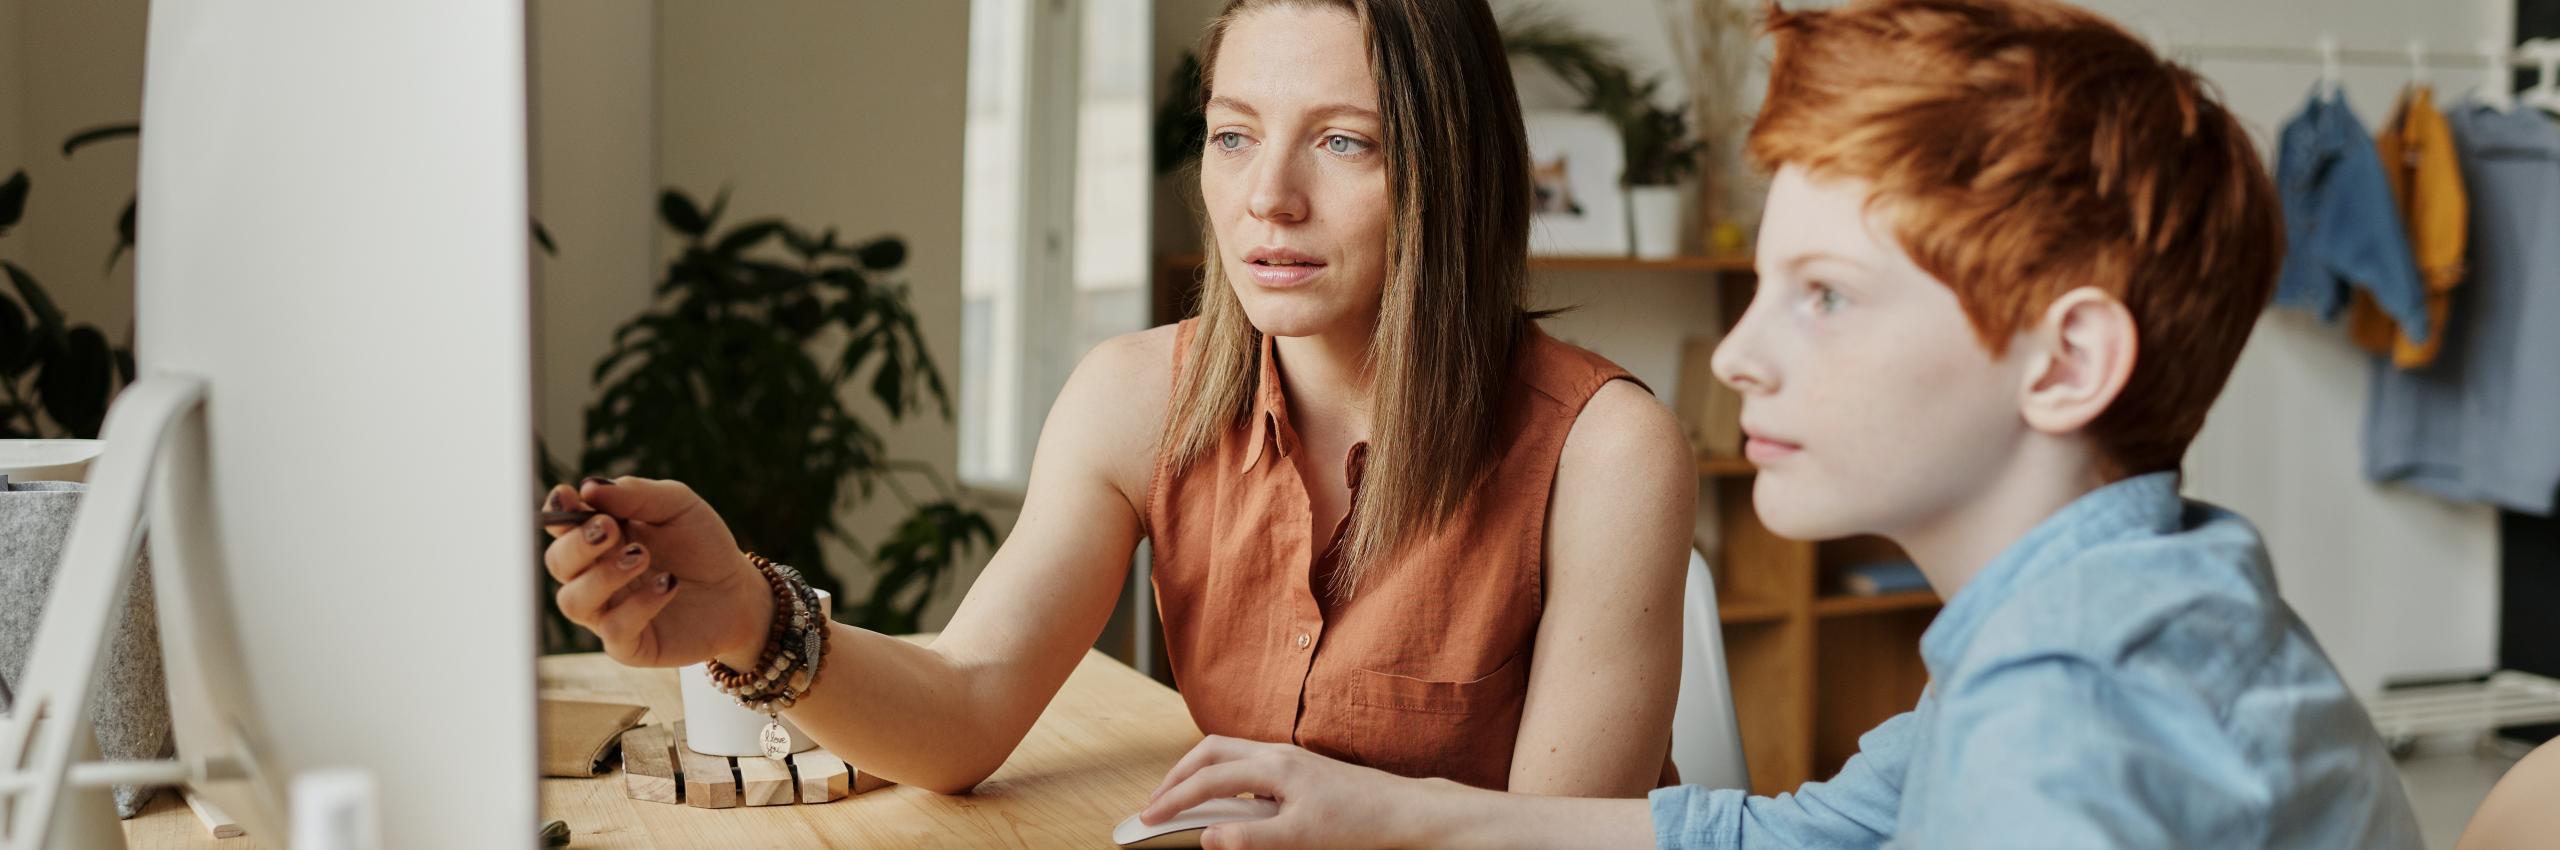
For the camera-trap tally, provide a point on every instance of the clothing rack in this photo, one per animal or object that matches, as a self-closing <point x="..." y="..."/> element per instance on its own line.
<point x="2526" y="55"/>
<point x="2495" y="62"/>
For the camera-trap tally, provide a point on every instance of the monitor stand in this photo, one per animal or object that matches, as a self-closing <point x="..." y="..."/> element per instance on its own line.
<point x="54" y="792"/>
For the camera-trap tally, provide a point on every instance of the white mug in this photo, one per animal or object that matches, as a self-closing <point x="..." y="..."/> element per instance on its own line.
<point x="715" y="725"/>
<point x="48" y="460"/>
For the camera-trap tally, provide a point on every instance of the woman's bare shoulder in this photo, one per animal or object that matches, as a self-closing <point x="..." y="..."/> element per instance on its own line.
<point x="1126" y="369"/>
<point x="1113" y="406"/>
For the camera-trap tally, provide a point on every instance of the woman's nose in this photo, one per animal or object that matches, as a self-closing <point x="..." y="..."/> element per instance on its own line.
<point x="1277" y="195"/>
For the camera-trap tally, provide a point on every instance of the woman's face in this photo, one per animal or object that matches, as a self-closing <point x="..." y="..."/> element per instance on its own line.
<point x="1294" y="176"/>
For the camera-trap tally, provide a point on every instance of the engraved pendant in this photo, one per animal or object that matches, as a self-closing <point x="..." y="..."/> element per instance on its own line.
<point x="777" y="742"/>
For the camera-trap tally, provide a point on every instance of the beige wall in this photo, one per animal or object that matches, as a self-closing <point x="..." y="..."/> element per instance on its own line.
<point x="12" y="90"/>
<point x="595" y="178"/>
<point x="71" y="65"/>
<point x="826" y="112"/>
<point x="843" y="113"/>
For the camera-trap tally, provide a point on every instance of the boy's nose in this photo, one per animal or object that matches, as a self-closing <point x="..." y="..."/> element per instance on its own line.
<point x="1739" y="363"/>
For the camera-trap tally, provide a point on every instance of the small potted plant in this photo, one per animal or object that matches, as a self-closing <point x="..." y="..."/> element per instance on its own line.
<point x="1661" y="154"/>
<point x="1660" y="149"/>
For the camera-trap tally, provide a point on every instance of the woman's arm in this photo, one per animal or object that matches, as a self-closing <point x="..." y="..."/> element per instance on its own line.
<point x="1606" y="669"/>
<point x="944" y="717"/>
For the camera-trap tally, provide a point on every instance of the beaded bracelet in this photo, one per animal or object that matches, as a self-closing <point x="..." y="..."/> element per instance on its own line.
<point x="795" y="647"/>
<point x="733" y="681"/>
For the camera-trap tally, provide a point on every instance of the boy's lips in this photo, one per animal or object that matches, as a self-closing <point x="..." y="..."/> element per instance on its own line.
<point x="1760" y="448"/>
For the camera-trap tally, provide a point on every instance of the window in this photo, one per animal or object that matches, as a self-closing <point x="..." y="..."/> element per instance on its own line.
<point x="1055" y="218"/>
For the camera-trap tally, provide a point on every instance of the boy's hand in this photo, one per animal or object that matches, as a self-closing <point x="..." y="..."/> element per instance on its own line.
<point x="1323" y="802"/>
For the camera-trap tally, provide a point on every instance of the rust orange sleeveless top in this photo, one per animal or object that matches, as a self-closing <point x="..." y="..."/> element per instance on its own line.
<point x="1423" y="671"/>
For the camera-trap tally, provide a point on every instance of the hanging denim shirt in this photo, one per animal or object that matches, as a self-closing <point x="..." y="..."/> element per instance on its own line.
<point x="2342" y="227"/>
<point x="2124" y="675"/>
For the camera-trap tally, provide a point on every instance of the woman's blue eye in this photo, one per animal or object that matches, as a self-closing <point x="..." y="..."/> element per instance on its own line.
<point x="1227" y="141"/>
<point x="1344" y="145"/>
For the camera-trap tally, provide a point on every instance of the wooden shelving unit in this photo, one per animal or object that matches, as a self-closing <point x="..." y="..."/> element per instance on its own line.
<point x="1812" y="668"/>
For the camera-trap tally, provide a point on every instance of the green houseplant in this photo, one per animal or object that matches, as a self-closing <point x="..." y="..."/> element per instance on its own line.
<point x="734" y="381"/>
<point x="1660" y="150"/>
<point x="56" y="377"/>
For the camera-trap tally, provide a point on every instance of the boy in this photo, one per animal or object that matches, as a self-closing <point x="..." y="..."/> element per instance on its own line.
<point x="2009" y="258"/>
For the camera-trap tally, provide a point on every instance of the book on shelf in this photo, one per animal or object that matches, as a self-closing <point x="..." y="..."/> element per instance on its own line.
<point x="1883" y="578"/>
<point x="1709" y="411"/>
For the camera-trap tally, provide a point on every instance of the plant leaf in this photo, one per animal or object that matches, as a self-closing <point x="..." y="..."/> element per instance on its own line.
<point x="97" y="134"/>
<point x="889" y="384"/>
<point x="48" y="317"/>
<point x="747" y="236"/>
<point x="124" y="234"/>
<point x="74" y="384"/>
<point x="17" y="345"/>
<point x="13" y="200"/>
<point x="883" y="254"/>
<point x="801" y="244"/>
<point x="681" y="214"/>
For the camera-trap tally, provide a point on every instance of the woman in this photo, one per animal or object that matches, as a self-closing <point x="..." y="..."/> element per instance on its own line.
<point x="1362" y="365"/>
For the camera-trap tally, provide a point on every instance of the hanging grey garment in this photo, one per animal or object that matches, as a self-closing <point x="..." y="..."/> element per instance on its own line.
<point x="2482" y="423"/>
<point x="129" y="707"/>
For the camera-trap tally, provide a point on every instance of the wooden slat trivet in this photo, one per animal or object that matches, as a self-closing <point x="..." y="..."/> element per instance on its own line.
<point x="215" y="820"/>
<point x="659" y="768"/>
<point x="649" y="765"/>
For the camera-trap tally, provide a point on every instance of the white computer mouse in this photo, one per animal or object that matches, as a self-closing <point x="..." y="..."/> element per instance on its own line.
<point x="1183" y="830"/>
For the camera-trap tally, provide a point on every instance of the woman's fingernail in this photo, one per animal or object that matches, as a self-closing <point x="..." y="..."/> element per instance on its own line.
<point x="551" y="501"/>
<point x="592" y="479"/>
<point x="667" y="583"/>
<point x="595" y="529"/>
<point x="631" y="556"/>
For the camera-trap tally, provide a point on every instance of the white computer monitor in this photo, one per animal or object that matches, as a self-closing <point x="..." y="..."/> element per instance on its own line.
<point x="333" y="328"/>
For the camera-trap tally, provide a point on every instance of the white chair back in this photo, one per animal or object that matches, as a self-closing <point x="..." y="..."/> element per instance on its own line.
<point x="1706" y="743"/>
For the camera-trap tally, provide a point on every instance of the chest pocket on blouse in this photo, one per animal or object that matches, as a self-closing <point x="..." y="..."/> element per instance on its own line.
<point x="1419" y="727"/>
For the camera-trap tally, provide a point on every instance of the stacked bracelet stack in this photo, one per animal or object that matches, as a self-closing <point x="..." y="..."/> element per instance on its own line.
<point x="794" y="648"/>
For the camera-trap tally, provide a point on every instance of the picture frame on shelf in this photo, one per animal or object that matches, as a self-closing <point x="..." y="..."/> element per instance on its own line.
<point x="1579" y="208"/>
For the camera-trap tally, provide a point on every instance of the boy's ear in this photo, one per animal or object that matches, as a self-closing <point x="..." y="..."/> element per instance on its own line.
<point x="2085" y="347"/>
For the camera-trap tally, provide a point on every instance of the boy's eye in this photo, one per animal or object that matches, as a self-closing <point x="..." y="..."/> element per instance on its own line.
<point x="1827" y="299"/>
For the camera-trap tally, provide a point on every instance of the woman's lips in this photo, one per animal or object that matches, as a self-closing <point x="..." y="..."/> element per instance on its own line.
<point x="1283" y="275"/>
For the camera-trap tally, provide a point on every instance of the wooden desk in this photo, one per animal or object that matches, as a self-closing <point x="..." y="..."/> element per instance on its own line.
<point x="1100" y="747"/>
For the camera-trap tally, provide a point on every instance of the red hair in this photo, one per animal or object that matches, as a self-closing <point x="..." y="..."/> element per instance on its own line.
<point x="2026" y="148"/>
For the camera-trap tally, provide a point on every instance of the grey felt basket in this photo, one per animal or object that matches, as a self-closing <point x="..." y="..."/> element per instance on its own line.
<point x="130" y="706"/>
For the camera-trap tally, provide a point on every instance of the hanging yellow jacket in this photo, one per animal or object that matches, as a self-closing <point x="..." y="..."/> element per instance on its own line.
<point x="2418" y="161"/>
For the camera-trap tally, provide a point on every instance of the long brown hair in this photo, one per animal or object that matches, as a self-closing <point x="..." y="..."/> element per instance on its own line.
<point x="1457" y="272"/>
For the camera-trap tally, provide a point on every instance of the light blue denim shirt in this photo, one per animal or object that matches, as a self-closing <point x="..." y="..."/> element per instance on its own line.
<point x="2122" y="676"/>
<point x="2342" y="228"/>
